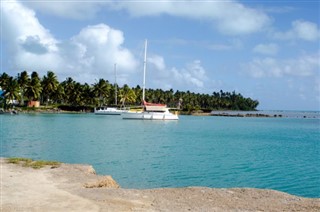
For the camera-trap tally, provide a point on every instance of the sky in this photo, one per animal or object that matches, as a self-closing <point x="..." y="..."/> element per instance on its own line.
<point x="265" y="50"/>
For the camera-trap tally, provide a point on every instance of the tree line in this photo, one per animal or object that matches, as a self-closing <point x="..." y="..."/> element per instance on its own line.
<point x="49" y="91"/>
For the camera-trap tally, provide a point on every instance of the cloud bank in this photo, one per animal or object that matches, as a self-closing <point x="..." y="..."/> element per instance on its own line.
<point x="301" y="30"/>
<point x="229" y="17"/>
<point x="304" y="66"/>
<point x="86" y="56"/>
<point x="67" y="9"/>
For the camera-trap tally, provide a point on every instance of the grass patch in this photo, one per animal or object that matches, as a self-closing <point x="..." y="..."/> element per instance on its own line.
<point x="36" y="164"/>
<point x="19" y="160"/>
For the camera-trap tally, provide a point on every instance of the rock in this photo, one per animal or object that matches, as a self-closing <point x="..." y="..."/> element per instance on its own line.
<point x="105" y="182"/>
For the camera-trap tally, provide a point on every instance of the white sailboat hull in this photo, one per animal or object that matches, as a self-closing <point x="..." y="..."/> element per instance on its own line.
<point x="145" y="115"/>
<point x="108" y="111"/>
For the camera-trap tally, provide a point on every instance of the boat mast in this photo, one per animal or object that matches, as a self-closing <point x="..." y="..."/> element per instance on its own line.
<point x="144" y="71"/>
<point x="115" y="83"/>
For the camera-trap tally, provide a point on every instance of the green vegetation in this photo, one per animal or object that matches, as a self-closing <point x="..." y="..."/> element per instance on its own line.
<point x="27" y="162"/>
<point x="19" y="160"/>
<point x="74" y="96"/>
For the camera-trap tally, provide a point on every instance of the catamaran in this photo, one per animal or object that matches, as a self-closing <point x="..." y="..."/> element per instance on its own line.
<point x="110" y="110"/>
<point x="149" y="111"/>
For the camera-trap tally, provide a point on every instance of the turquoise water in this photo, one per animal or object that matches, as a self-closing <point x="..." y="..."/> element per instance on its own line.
<point x="223" y="152"/>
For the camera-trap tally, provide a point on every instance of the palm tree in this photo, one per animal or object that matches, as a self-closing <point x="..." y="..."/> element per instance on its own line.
<point x="4" y="78"/>
<point x="87" y="94"/>
<point x="12" y="91"/>
<point x="112" y="98"/>
<point x="76" y="97"/>
<point x="58" y="95"/>
<point x="169" y="98"/>
<point x="68" y="87"/>
<point x="101" y="90"/>
<point x="34" y="89"/>
<point x="126" y="94"/>
<point x="72" y="91"/>
<point x="23" y="80"/>
<point x="138" y="91"/>
<point x="49" y="85"/>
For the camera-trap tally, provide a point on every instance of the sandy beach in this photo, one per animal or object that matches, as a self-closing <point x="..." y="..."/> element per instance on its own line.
<point x="72" y="187"/>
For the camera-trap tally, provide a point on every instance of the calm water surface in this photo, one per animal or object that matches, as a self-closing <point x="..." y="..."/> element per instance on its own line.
<point x="274" y="153"/>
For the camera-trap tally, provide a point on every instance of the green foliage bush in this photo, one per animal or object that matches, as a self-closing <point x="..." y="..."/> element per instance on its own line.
<point x="27" y="162"/>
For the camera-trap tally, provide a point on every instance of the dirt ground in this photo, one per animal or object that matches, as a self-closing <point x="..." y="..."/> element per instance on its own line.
<point x="78" y="188"/>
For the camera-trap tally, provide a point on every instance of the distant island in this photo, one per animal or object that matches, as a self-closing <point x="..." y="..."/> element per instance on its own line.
<point x="24" y="91"/>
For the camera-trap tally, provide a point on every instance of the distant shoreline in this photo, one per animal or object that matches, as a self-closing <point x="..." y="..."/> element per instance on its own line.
<point x="223" y="113"/>
<point x="268" y="114"/>
<point x="259" y="114"/>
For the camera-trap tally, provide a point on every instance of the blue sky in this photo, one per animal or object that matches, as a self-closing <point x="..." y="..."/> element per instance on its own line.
<point x="266" y="50"/>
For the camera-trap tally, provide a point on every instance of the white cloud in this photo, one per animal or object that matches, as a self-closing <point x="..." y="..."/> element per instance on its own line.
<point x="268" y="49"/>
<point x="303" y="30"/>
<point x="306" y="30"/>
<point x="66" y="9"/>
<point x="229" y="17"/>
<point x="193" y="76"/>
<point x="305" y="66"/>
<point x="31" y="45"/>
<point x="20" y="23"/>
<point x="87" y="56"/>
<point x="97" y="48"/>
<point x="157" y="61"/>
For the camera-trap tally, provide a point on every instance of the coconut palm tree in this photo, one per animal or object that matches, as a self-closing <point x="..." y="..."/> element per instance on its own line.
<point x="34" y="89"/>
<point x="87" y="94"/>
<point x="126" y="94"/>
<point x="68" y="87"/>
<point x="4" y="78"/>
<point x="101" y="90"/>
<point x="23" y="80"/>
<point x="12" y="91"/>
<point x="58" y="95"/>
<point x="76" y="97"/>
<point x="49" y="85"/>
<point x="72" y="91"/>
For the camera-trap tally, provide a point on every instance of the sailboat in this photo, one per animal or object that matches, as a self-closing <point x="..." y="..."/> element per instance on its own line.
<point x="150" y="111"/>
<point x="110" y="110"/>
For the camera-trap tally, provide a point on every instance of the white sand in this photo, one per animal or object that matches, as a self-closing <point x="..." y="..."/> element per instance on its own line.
<point x="63" y="189"/>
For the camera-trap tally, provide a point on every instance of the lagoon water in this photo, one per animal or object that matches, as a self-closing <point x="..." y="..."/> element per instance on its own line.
<point x="222" y="152"/>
